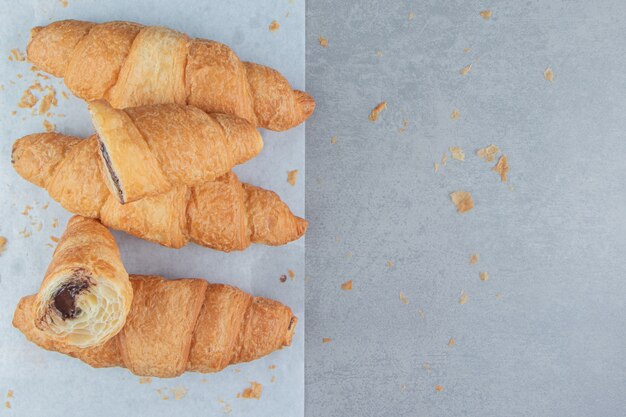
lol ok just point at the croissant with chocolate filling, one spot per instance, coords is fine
(150, 149)
(131, 65)
(180, 325)
(85, 295)
(224, 214)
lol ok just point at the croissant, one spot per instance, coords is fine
(85, 295)
(131, 65)
(147, 150)
(225, 214)
(180, 325)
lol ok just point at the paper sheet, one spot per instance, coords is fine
(51, 384)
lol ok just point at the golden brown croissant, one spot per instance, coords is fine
(85, 295)
(225, 214)
(148, 150)
(132, 65)
(180, 325)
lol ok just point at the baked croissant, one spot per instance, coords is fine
(85, 295)
(224, 214)
(147, 150)
(180, 325)
(132, 65)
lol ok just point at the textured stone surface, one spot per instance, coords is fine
(545, 334)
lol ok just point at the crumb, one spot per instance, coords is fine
(17, 55)
(55, 223)
(436, 166)
(457, 153)
(484, 276)
(39, 226)
(347, 286)
(145, 380)
(333, 140)
(323, 41)
(254, 392)
(438, 388)
(421, 313)
(389, 264)
(48, 126)
(337, 239)
(64, 3)
(236, 370)
(19, 76)
(466, 50)
(226, 407)
(273, 379)
(462, 200)
(376, 111)
(28, 100)
(463, 298)
(502, 167)
(405, 125)
(291, 274)
(10, 393)
(403, 298)
(3, 246)
(486, 14)
(274, 26)
(465, 70)
(42, 76)
(64, 95)
(548, 74)
(379, 53)
(54, 239)
(27, 209)
(47, 101)
(402, 387)
(203, 380)
(473, 259)
(498, 296)
(13, 113)
(427, 367)
(45, 206)
(489, 153)
(292, 177)
(451, 342)
(50, 245)
(326, 340)
(272, 367)
(161, 392)
(411, 16)
(25, 232)
(7, 404)
(178, 392)
(283, 278)
(455, 114)
(444, 159)
(349, 254)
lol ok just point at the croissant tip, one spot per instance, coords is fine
(307, 103)
(301, 226)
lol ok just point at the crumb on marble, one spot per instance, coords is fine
(438, 388)
(451, 342)
(274, 26)
(326, 340)
(465, 70)
(548, 74)
(292, 274)
(502, 168)
(484, 276)
(292, 177)
(462, 200)
(457, 153)
(488, 153)
(486, 14)
(455, 114)
(347, 286)
(17, 55)
(323, 41)
(377, 110)
(403, 298)
(3, 246)
(463, 298)
(474, 257)
(253, 392)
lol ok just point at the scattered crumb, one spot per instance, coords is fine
(39, 226)
(473, 259)
(548, 74)
(462, 200)
(498, 296)
(27, 209)
(162, 393)
(457, 153)
(451, 342)
(237, 370)
(326, 340)
(292, 177)
(502, 167)
(292, 274)
(466, 50)
(273, 379)
(379, 53)
(13, 113)
(455, 114)
(45, 206)
(347, 286)
(25, 232)
(463, 298)
(204, 380)
(333, 140)
(488, 153)
(465, 70)
(323, 41)
(64, 95)
(28, 100)
(421, 313)
(349, 254)
(55, 223)
(283, 278)
(42, 76)
(272, 367)
(3, 246)
(486, 14)
(7, 404)
(438, 388)
(47, 101)
(178, 392)
(274, 26)
(389, 264)
(402, 387)
(50, 245)
(436, 166)
(411, 16)
(427, 367)
(376, 111)
(48, 126)
(19, 76)
(254, 392)
(54, 239)
(405, 125)
(484, 276)
(64, 3)
(444, 159)
(403, 298)
(17, 55)
(145, 380)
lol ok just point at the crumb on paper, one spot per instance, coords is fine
(178, 392)
(379, 53)
(292, 177)
(283, 278)
(438, 388)
(253, 392)
(55, 223)
(27, 209)
(389, 264)
(444, 159)
(48, 126)
(465, 70)
(436, 166)
(462, 200)
(457, 153)
(272, 367)
(376, 111)
(405, 125)
(486, 14)
(10, 393)
(54, 239)
(42, 76)
(455, 114)
(64, 3)
(39, 226)
(502, 167)
(25, 232)
(204, 380)
(466, 50)
(292, 274)
(402, 387)
(548, 74)
(427, 367)
(17, 55)
(451, 342)
(3, 246)
(488, 153)
(145, 380)
(326, 340)
(226, 407)
(347, 286)
(274, 26)
(411, 16)
(273, 379)
(47, 101)
(403, 298)
(421, 313)
(484, 276)
(162, 393)
(27, 101)
(45, 206)
(7, 404)
(473, 260)
(323, 41)
(333, 140)
(64, 95)
(463, 298)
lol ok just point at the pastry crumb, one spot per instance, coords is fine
(473, 260)
(64, 95)
(457, 153)
(436, 166)
(226, 407)
(548, 74)
(323, 41)
(463, 298)
(444, 159)
(465, 70)
(455, 114)
(47, 101)
(451, 342)
(10, 393)
(498, 296)
(389, 264)
(7, 404)
(178, 392)
(27, 209)
(411, 16)
(466, 50)
(283, 278)
(438, 388)
(273, 379)
(272, 367)
(3, 246)
(27, 101)
(145, 380)
(54, 239)
(420, 312)
(377, 110)
(253, 392)
(462, 200)
(291, 274)
(162, 393)
(403, 298)
(326, 340)
(379, 53)
(333, 140)
(55, 223)
(25, 232)
(486, 14)
(292, 177)
(274, 26)
(426, 366)
(48, 126)
(347, 286)
(17, 55)
(484, 276)
(64, 3)
(502, 167)
(488, 153)
(405, 125)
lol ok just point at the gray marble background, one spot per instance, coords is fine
(544, 336)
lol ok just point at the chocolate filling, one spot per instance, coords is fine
(65, 298)
(112, 174)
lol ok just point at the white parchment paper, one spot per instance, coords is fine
(51, 384)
